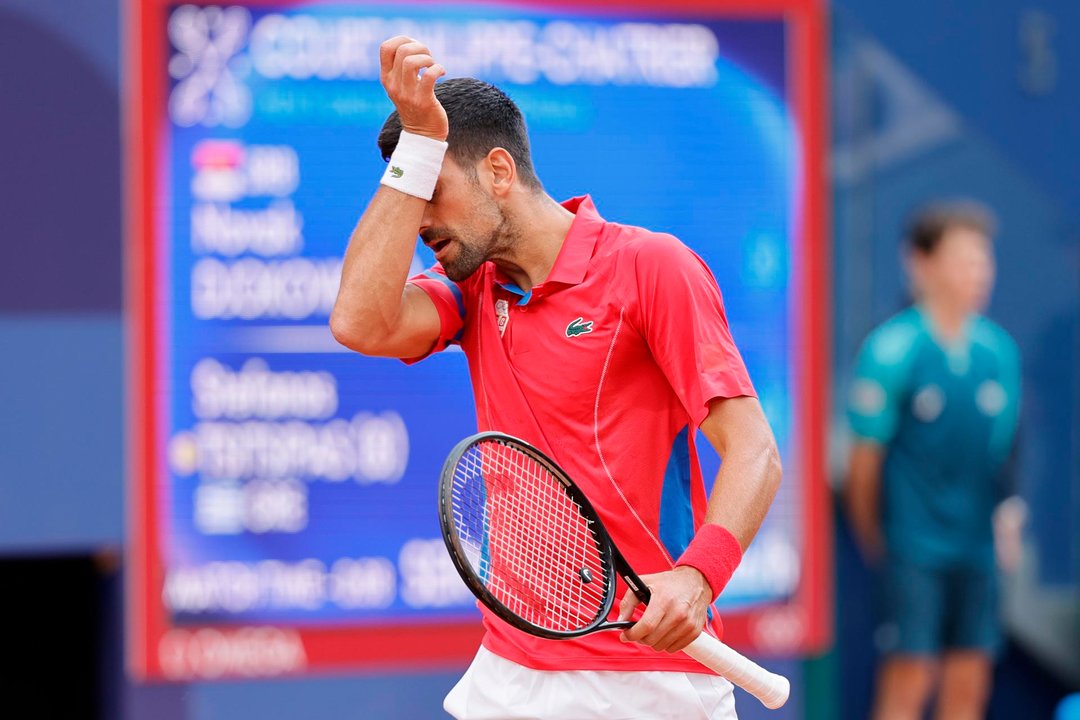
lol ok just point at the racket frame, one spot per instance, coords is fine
(609, 554)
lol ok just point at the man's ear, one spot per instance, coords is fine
(916, 264)
(500, 164)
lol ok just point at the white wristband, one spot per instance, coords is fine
(415, 164)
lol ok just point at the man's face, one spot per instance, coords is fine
(961, 269)
(462, 223)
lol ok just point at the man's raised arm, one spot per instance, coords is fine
(376, 312)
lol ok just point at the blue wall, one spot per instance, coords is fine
(929, 99)
(60, 291)
(932, 100)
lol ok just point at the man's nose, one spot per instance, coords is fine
(426, 221)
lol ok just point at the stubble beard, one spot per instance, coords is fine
(468, 260)
(471, 255)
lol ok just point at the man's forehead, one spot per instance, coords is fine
(451, 166)
(966, 235)
(455, 171)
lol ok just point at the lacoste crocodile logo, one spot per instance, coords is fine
(396, 171)
(580, 326)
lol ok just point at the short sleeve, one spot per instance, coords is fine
(881, 370)
(449, 300)
(681, 314)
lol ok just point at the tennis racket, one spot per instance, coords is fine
(526, 541)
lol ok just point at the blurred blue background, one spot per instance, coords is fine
(927, 99)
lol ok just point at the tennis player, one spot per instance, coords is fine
(604, 345)
(934, 410)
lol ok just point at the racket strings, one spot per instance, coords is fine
(514, 559)
(526, 539)
(568, 553)
(555, 560)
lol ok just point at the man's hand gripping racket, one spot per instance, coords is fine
(533, 550)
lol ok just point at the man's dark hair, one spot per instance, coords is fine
(481, 118)
(929, 225)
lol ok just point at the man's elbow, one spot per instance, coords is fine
(354, 335)
(774, 469)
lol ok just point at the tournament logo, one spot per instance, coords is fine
(208, 66)
(928, 403)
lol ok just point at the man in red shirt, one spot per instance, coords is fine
(604, 345)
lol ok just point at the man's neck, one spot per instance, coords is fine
(543, 225)
(948, 319)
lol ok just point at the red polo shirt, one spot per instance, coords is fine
(608, 366)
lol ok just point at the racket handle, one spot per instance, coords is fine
(771, 689)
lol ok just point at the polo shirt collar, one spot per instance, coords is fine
(577, 248)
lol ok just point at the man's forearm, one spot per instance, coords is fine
(865, 524)
(744, 489)
(862, 496)
(750, 471)
(375, 268)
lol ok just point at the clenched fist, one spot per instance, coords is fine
(413, 92)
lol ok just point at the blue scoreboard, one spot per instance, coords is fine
(283, 488)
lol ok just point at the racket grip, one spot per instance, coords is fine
(771, 689)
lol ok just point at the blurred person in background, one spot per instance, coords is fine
(933, 409)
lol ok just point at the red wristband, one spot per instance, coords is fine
(715, 553)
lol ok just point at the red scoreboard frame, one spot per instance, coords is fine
(159, 650)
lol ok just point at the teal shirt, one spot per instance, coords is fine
(946, 416)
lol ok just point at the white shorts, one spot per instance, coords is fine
(494, 688)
